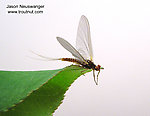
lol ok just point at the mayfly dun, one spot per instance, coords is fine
(83, 53)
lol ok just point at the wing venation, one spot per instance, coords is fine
(70, 48)
(83, 40)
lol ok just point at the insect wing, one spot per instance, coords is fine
(83, 40)
(71, 49)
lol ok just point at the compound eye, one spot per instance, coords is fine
(97, 67)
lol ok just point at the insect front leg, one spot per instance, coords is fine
(94, 77)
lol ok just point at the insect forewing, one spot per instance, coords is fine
(70, 48)
(83, 40)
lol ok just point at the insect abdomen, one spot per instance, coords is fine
(71, 60)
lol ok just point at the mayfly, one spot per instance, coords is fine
(83, 53)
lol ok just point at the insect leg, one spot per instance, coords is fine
(94, 77)
(97, 76)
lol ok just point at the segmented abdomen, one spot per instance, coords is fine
(89, 65)
(71, 60)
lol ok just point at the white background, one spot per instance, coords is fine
(120, 31)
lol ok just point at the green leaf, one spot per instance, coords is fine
(16, 85)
